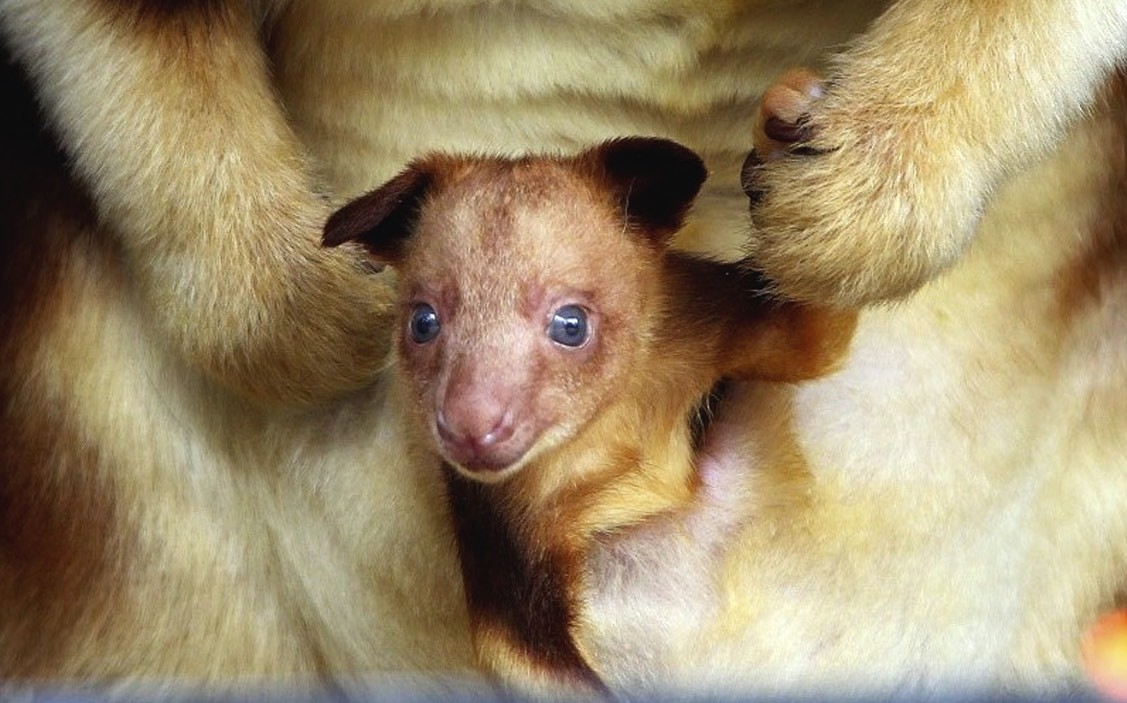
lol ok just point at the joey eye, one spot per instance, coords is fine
(423, 324)
(569, 326)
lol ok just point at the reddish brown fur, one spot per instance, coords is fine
(221, 276)
(57, 533)
(666, 327)
(518, 595)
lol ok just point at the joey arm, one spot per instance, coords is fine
(169, 119)
(723, 311)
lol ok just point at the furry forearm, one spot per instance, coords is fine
(924, 117)
(1002, 89)
(206, 187)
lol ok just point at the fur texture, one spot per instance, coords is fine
(556, 445)
(204, 476)
(897, 530)
(918, 131)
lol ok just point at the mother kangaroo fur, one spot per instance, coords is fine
(204, 475)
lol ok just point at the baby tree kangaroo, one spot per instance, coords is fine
(555, 351)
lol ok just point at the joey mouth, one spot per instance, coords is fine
(485, 469)
(483, 475)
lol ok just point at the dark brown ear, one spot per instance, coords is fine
(654, 179)
(382, 219)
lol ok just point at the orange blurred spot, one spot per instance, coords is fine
(1105, 654)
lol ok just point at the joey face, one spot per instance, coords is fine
(528, 287)
(522, 310)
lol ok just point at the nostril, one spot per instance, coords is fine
(500, 432)
(444, 430)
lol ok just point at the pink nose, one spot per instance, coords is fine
(473, 433)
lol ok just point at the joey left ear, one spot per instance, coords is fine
(656, 181)
(382, 219)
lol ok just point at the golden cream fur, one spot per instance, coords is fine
(556, 352)
(204, 474)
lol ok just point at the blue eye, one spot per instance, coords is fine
(569, 326)
(423, 325)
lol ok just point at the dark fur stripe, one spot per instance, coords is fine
(520, 591)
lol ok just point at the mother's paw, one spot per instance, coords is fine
(855, 199)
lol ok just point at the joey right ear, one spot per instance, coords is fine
(381, 219)
(655, 180)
